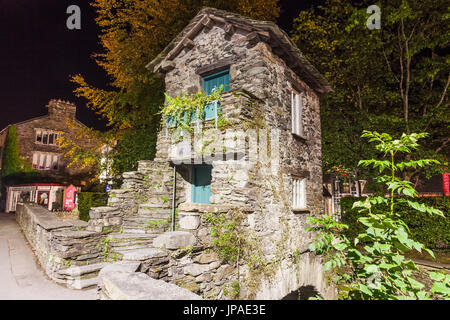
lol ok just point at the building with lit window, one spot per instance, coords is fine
(38, 146)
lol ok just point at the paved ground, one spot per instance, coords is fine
(20, 275)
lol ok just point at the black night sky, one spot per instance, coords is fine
(38, 54)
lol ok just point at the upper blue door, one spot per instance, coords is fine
(201, 183)
(216, 80)
(209, 83)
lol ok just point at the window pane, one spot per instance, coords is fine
(210, 110)
(39, 136)
(48, 162)
(51, 137)
(299, 113)
(35, 160)
(41, 161)
(55, 162)
(45, 138)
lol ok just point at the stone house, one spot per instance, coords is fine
(250, 171)
(37, 141)
(271, 88)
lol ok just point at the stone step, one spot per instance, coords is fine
(128, 236)
(154, 209)
(80, 284)
(78, 271)
(125, 250)
(143, 230)
(143, 220)
(143, 254)
(132, 242)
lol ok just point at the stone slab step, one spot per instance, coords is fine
(78, 271)
(125, 250)
(82, 283)
(143, 254)
(126, 235)
(127, 243)
(143, 220)
(142, 231)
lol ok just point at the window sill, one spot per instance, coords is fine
(300, 210)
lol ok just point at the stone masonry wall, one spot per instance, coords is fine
(58, 243)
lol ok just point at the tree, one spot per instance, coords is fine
(375, 264)
(393, 79)
(133, 32)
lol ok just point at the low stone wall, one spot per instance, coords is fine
(58, 243)
(121, 282)
(190, 261)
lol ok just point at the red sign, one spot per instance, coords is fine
(69, 198)
(445, 184)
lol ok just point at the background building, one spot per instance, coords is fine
(38, 147)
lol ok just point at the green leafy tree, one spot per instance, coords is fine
(394, 79)
(374, 265)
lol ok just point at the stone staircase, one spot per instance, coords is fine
(136, 214)
(139, 230)
(145, 200)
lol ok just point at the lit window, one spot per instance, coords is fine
(35, 160)
(45, 161)
(55, 162)
(39, 136)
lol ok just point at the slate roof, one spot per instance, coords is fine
(265, 31)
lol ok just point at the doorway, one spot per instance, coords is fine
(201, 183)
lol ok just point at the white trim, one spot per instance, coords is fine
(297, 113)
(299, 194)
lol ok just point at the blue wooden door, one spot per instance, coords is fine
(201, 183)
(216, 80)
(209, 83)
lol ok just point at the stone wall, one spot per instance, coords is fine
(58, 243)
(189, 259)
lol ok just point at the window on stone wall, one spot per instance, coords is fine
(47, 137)
(298, 193)
(297, 113)
(45, 161)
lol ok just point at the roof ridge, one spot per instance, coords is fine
(304, 70)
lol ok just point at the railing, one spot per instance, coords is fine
(198, 120)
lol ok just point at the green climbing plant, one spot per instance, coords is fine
(373, 266)
(181, 110)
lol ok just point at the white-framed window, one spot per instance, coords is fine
(45, 161)
(47, 137)
(297, 113)
(299, 193)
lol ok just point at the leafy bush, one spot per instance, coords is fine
(88, 200)
(432, 231)
(378, 270)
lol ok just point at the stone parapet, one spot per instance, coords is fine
(120, 282)
(57, 243)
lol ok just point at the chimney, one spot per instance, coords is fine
(59, 109)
